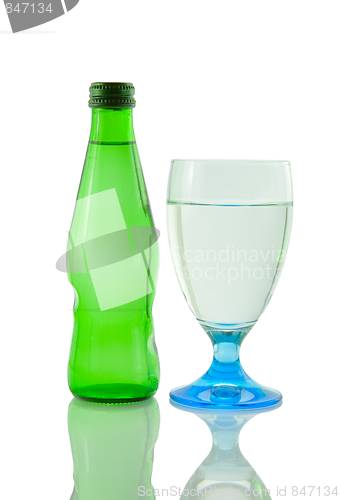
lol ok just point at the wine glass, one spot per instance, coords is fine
(229, 223)
(225, 472)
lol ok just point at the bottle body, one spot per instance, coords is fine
(112, 262)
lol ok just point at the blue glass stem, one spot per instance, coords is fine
(226, 364)
(226, 385)
(226, 369)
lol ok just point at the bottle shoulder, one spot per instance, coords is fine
(116, 169)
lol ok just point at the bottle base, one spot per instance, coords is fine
(113, 393)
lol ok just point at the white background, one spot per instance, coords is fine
(219, 79)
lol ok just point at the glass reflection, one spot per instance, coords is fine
(225, 473)
(112, 448)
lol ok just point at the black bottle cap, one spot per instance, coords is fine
(112, 95)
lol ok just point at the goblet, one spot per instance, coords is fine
(225, 473)
(229, 223)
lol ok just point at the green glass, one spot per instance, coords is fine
(112, 263)
(112, 449)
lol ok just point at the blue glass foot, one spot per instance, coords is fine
(226, 385)
(246, 395)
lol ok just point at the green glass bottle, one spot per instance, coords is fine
(112, 449)
(112, 261)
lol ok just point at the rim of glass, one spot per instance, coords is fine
(248, 162)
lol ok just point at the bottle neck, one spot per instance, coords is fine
(112, 126)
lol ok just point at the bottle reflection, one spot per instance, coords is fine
(225, 473)
(112, 448)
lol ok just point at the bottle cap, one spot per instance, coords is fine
(112, 95)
